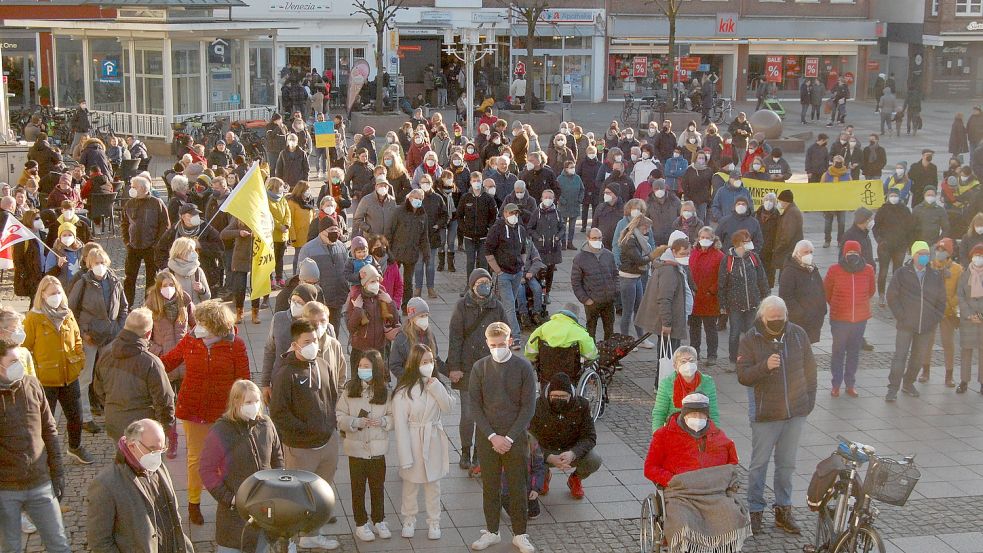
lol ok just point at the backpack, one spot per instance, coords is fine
(730, 262)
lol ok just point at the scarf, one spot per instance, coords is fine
(186, 232)
(681, 388)
(808, 268)
(129, 457)
(182, 267)
(171, 309)
(643, 242)
(837, 172)
(975, 281)
(57, 315)
(470, 157)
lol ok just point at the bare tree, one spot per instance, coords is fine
(670, 8)
(380, 17)
(529, 12)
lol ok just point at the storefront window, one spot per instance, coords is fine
(646, 74)
(186, 76)
(109, 69)
(261, 74)
(150, 78)
(956, 68)
(557, 60)
(224, 74)
(70, 78)
(21, 72)
(794, 68)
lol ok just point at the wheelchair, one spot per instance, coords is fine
(588, 382)
(652, 523)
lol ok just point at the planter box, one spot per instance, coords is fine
(382, 124)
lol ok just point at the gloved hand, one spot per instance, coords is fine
(58, 485)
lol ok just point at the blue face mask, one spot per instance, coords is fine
(416, 203)
(364, 374)
(923, 259)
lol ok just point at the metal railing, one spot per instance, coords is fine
(255, 112)
(157, 126)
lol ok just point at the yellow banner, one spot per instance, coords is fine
(823, 196)
(249, 203)
(324, 140)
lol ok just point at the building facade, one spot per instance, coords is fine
(952, 50)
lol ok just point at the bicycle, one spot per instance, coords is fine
(848, 527)
(722, 110)
(630, 110)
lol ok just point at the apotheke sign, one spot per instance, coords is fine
(975, 26)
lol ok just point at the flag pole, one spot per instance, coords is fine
(255, 167)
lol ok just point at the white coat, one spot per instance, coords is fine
(369, 441)
(421, 443)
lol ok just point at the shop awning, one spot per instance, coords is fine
(520, 30)
(752, 29)
(132, 28)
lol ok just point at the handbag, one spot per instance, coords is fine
(665, 358)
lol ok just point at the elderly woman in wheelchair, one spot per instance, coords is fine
(694, 465)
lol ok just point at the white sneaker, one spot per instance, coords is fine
(292, 548)
(364, 533)
(486, 540)
(26, 526)
(318, 542)
(522, 543)
(647, 344)
(382, 529)
(434, 531)
(409, 528)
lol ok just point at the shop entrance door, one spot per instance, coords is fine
(546, 77)
(299, 57)
(21, 80)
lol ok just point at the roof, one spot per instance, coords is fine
(132, 3)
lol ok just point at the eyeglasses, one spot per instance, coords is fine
(153, 451)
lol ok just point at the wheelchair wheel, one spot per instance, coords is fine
(650, 540)
(591, 388)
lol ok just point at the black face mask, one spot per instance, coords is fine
(776, 327)
(558, 405)
(379, 251)
(483, 290)
(333, 237)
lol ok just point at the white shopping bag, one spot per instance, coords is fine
(665, 358)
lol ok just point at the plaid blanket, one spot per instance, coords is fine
(703, 514)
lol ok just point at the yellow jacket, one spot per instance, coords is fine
(58, 353)
(951, 271)
(300, 218)
(281, 218)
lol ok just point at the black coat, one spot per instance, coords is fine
(409, 237)
(874, 160)
(817, 159)
(538, 180)
(436, 209)
(958, 139)
(234, 451)
(594, 276)
(696, 185)
(546, 231)
(571, 429)
(359, 179)
(664, 144)
(466, 335)
(606, 218)
(476, 214)
(804, 296)
(894, 228)
(788, 391)
(292, 166)
(917, 305)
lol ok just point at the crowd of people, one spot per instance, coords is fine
(674, 247)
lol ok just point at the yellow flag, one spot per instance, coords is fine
(823, 196)
(248, 202)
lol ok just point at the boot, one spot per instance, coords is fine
(465, 462)
(238, 315)
(432, 293)
(450, 262)
(440, 262)
(785, 520)
(255, 315)
(417, 292)
(757, 525)
(194, 514)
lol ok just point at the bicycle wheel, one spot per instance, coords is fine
(650, 537)
(627, 114)
(591, 388)
(824, 531)
(865, 540)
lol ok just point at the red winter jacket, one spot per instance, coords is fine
(704, 265)
(674, 451)
(209, 374)
(848, 294)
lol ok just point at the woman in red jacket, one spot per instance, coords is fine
(688, 441)
(704, 265)
(214, 358)
(849, 286)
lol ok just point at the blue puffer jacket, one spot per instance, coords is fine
(724, 200)
(734, 222)
(674, 169)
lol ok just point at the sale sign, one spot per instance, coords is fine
(690, 63)
(812, 68)
(639, 67)
(773, 69)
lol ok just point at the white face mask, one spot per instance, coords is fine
(979, 230)
(687, 215)
(618, 159)
(706, 242)
(18, 336)
(100, 270)
(596, 244)
(893, 200)
(458, 162)
(749, 246)
(200, 332)
(195, 221)
(322, 329)
(431, 163)
(512, 219)
(67, 240)
(490, 191)
(15, 372)
(570, 171)
(309, 351)
(330, 210)
(38, 224)
(500, 355)
(676, 154)
(737, 183)
(423, 323)
(168, 292)
(591, 156)
(547, 202)
(382, 191)
(476, 186)
(426, 371)
(133, 193)
(530, 166)
(741, 209)
(807, 259)
(660, 194)
(687, 370)
(769, 205)
(899, 172)
(296, 309)
(372, 288)
(696, 424)
(684, 261)
(54, 300)
(151, 461)
(930, 200)
(978, 260)
(249, 411)
(520, 195)
(610, 198)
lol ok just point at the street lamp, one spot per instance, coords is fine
(469, 51)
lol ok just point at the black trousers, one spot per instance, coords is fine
(408, 269)
(132, 270)
(603, 311)
(550, 270)
(70, 398)
(709, 326)
(515, 464)
(372, 471)
(278, 250)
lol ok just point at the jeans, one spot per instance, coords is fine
(603, 311)
(782, 438)
(321, 160)
(886, 118)
(85, 381)
(805, 110)
(68, 397)
(132, 270)
(474, 250)
(848, 338)
(739, 323)
(886, 258)
(709, 326)
(631, 299)
(508, 290)
(515, 464)
(920, 346)
(571, 223)
(701, 212)
(40, 504)
(373, 472)
(537, 297)
(408, 270)
(430, 267)
(828, 228)
(451, 238)
(262, 545)
(589, 205)
(816, 109)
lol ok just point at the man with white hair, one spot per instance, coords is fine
(775, 361)
(144, 222)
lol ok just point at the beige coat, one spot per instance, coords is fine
(421, 442)
(370, 441)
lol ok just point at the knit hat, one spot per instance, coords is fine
(560, 382)
(977, 250)
(571, 310)
(307, 269)
(204, 179)
(325, 223)
(67, 227)
(65, 178)
(918, 246)
(735, 174)
(457, 127)
(368, 273)
(359, 243)
(368, 131)
(862, 215)
(509, 208)
(851, 246)
(306, 292)
(786, 196)
(677, 235)
(417, 306)
(695, 403)
(946, 244)
(188, 208)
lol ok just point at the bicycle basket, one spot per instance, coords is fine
(890, 481)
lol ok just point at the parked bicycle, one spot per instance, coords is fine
(722, 110)
(844, 501)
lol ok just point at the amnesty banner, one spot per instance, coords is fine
(248, 202)
(823, 196)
